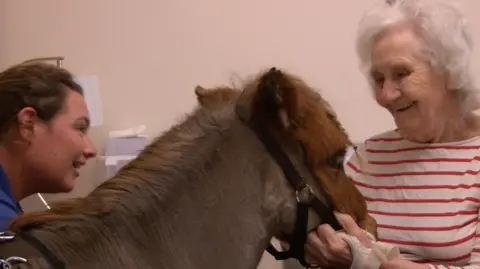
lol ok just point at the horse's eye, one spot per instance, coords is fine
(336, 162)
(339, 163)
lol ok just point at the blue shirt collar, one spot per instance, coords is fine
(5, 188)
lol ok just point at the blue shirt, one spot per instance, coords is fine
(9, 208)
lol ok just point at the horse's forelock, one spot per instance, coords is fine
(290, 106)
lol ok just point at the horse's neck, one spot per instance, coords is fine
(220, 220)
(218, 223)
(215, 218)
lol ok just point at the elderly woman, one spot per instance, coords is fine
(420, 180)
(43, 134)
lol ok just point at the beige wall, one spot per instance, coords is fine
(154, 53)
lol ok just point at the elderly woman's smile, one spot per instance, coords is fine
(404, 108)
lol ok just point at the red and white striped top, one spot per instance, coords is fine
(424, 197)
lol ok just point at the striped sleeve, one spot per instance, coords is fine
(425, 198)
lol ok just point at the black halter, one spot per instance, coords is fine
(305, 196)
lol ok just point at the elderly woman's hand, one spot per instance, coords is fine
(327, 249)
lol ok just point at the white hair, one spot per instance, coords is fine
(442, 29)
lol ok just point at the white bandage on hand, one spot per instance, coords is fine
(369, 258)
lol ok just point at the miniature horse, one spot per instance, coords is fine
(207, 193)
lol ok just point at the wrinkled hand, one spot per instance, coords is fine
(327, 249)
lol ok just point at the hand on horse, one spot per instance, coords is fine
(327, 249)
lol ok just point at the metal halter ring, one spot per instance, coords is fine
(305, 194)
(8, 263)
(5, 236)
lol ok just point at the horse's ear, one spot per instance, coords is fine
(204, 96)
(276, 98)
(200, 91)
(215, 97)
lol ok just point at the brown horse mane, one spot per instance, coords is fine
(299, 107)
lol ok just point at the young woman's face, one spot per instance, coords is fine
(59, 148)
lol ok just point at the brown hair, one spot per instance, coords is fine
(38, 85)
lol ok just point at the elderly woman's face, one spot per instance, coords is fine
(406, 85)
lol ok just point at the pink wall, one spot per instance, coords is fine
(155, 52)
